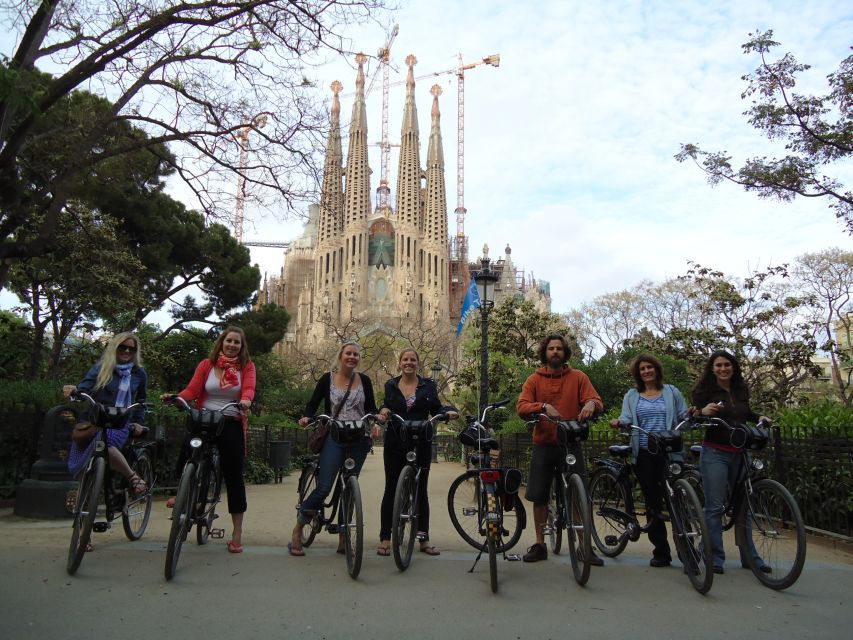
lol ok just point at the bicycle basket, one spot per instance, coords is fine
(347, 431)
(205, 421)
(662, 442)
(415, 431)
(569, 431)
(745, 436)
(475, 435)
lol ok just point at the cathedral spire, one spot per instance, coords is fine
(409, 169)
(331, 198)
(358, 170)
(435, 219)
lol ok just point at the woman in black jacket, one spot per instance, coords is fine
(412, 398)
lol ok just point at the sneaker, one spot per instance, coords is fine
(719, 569)
(659, 562)
(536, 553)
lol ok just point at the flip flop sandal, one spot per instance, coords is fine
(89, 547)
(137, 485)
(234, 547)
(430, 550)
(383, 551)
(71, 500)
(294, 550)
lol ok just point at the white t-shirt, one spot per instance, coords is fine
(217, 397)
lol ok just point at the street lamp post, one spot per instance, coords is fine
(485, 280)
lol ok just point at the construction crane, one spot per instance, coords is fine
(243, 140)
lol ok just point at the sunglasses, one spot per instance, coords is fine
(123, 348)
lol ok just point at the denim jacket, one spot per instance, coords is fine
(107, 395)
(676, 410)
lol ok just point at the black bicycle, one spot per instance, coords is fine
(200, 485)
(344, 508)
(404, 526)
(483, 503)
(568, 503)
(764, 512)
(98, 477)
(616, 522)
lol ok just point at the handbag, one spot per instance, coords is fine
(318, 437)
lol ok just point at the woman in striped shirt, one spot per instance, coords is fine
(653, 406)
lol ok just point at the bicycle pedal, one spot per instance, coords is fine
(333, 528)
(469, 511)
(217, 533)
(513, 557)
(610, 540)
(101, 527)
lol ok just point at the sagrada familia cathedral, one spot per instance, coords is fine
(383, 266)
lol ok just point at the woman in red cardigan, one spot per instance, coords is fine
(227, 375)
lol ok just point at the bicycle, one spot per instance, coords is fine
(346, 515)
(616, 520)
(406, 516)
(482, 501)
(568, 504)
(765, 513)
(200, 485)
(119, 496)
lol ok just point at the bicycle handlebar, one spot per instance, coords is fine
(76, 396)
(186, 405)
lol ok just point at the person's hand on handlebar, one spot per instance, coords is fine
(303, 421)
(245, 404)
(550, 411)
(383, 415)
(451, 415)
(615, 423)
(711, 409)
(67, 390)
(587, 411)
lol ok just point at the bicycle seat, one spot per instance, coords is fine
(619, 450)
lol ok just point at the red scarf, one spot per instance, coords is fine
(229, 367)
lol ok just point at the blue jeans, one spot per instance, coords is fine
(719, 470)
(331, 459)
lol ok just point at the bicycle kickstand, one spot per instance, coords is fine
(477, 559)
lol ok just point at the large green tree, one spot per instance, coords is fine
(196, 75)
(817, 131)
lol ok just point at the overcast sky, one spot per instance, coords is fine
(570, 142)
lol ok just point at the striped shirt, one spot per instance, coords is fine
(651, 415)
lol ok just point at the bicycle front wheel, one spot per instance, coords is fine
(609, 496)
(85, 511)
(209, 488)
(691, 536)
(578, 528)
(770, 520)
(554, 523)
(353, 525)
(181, 518)
(137, 509)
(404, 525)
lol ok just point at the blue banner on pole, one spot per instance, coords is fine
(472, 299)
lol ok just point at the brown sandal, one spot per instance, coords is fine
(137, 485)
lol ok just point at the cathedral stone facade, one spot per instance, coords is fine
(356, 269)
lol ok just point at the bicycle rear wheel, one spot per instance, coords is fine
(608, 496)
(691, 536)
(181, 518)
(353, 525)
(464, 506)
(209, 488)
(85, 511)
(554, 523)
(307, 484)
(404, 525)
(137, 509)
(579, 528)
(771, 520)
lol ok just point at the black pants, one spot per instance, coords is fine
(231, 454)
(649, 470)
(395, 459)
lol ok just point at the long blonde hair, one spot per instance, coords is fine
(108, 360)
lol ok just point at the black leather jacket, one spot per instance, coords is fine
(426, 404)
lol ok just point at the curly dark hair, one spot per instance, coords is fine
(543, 347)
(635, 370)
(708, 381)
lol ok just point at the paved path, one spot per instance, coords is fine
(265, 592)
